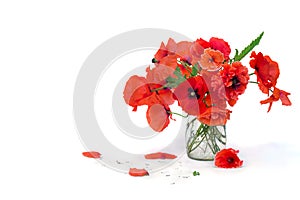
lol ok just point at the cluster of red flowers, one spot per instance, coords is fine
(202, 78)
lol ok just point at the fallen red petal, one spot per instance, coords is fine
(138, 172)
(160, 155)
(91, 154)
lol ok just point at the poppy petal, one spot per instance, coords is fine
(160, 155)
(138, 172)
(91, 154)
(157, 117)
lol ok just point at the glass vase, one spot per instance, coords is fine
(204, 141)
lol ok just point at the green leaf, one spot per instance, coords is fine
(195, 70)
(195, 173)
(249, 48)
(174, 82)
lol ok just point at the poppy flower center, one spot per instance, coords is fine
(193, 93)
(230, 160)
(235, 82)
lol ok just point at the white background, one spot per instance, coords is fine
(42, 47)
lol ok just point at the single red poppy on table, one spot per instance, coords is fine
(227, 158)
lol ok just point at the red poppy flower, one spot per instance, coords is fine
(211, 59)
(139, 92)
(135, 90)
(191, 95)
(172, 61)
(91, 154)
(214, 116)
(138, 172)
(266, 70)
(227, 158)
(160, 155)
(158, 117)
(216, 44)
(278, 94)
(162, 52)
(165, 50)
(235, 77)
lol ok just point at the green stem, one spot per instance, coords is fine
(251, 74)
(195, 138)
(258, 83)
(210, 134)
(174, 113)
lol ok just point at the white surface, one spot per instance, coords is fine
(42, 47)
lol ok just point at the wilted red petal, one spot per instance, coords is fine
(227, 158)
(138, 172)
(91, 154)
(157, 117)
(284, 98)
(277, 94)
(160, 155)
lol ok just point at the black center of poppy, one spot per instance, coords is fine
(193, 93)
(230, 160)
(235, 82)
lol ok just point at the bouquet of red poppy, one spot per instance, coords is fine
(204, 80)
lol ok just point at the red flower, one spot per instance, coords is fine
(211, 59)
(214, 116)
(139, 92)
(278, 94)
(216, 44)
(191, 95)
(180, 50)
(266, 70)
(227, 158)
(135, 90)
(138, 172)
(158, 117)
(235, 78)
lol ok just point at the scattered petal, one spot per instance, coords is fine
(160, 155)
(138, 172)
(91, 154)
